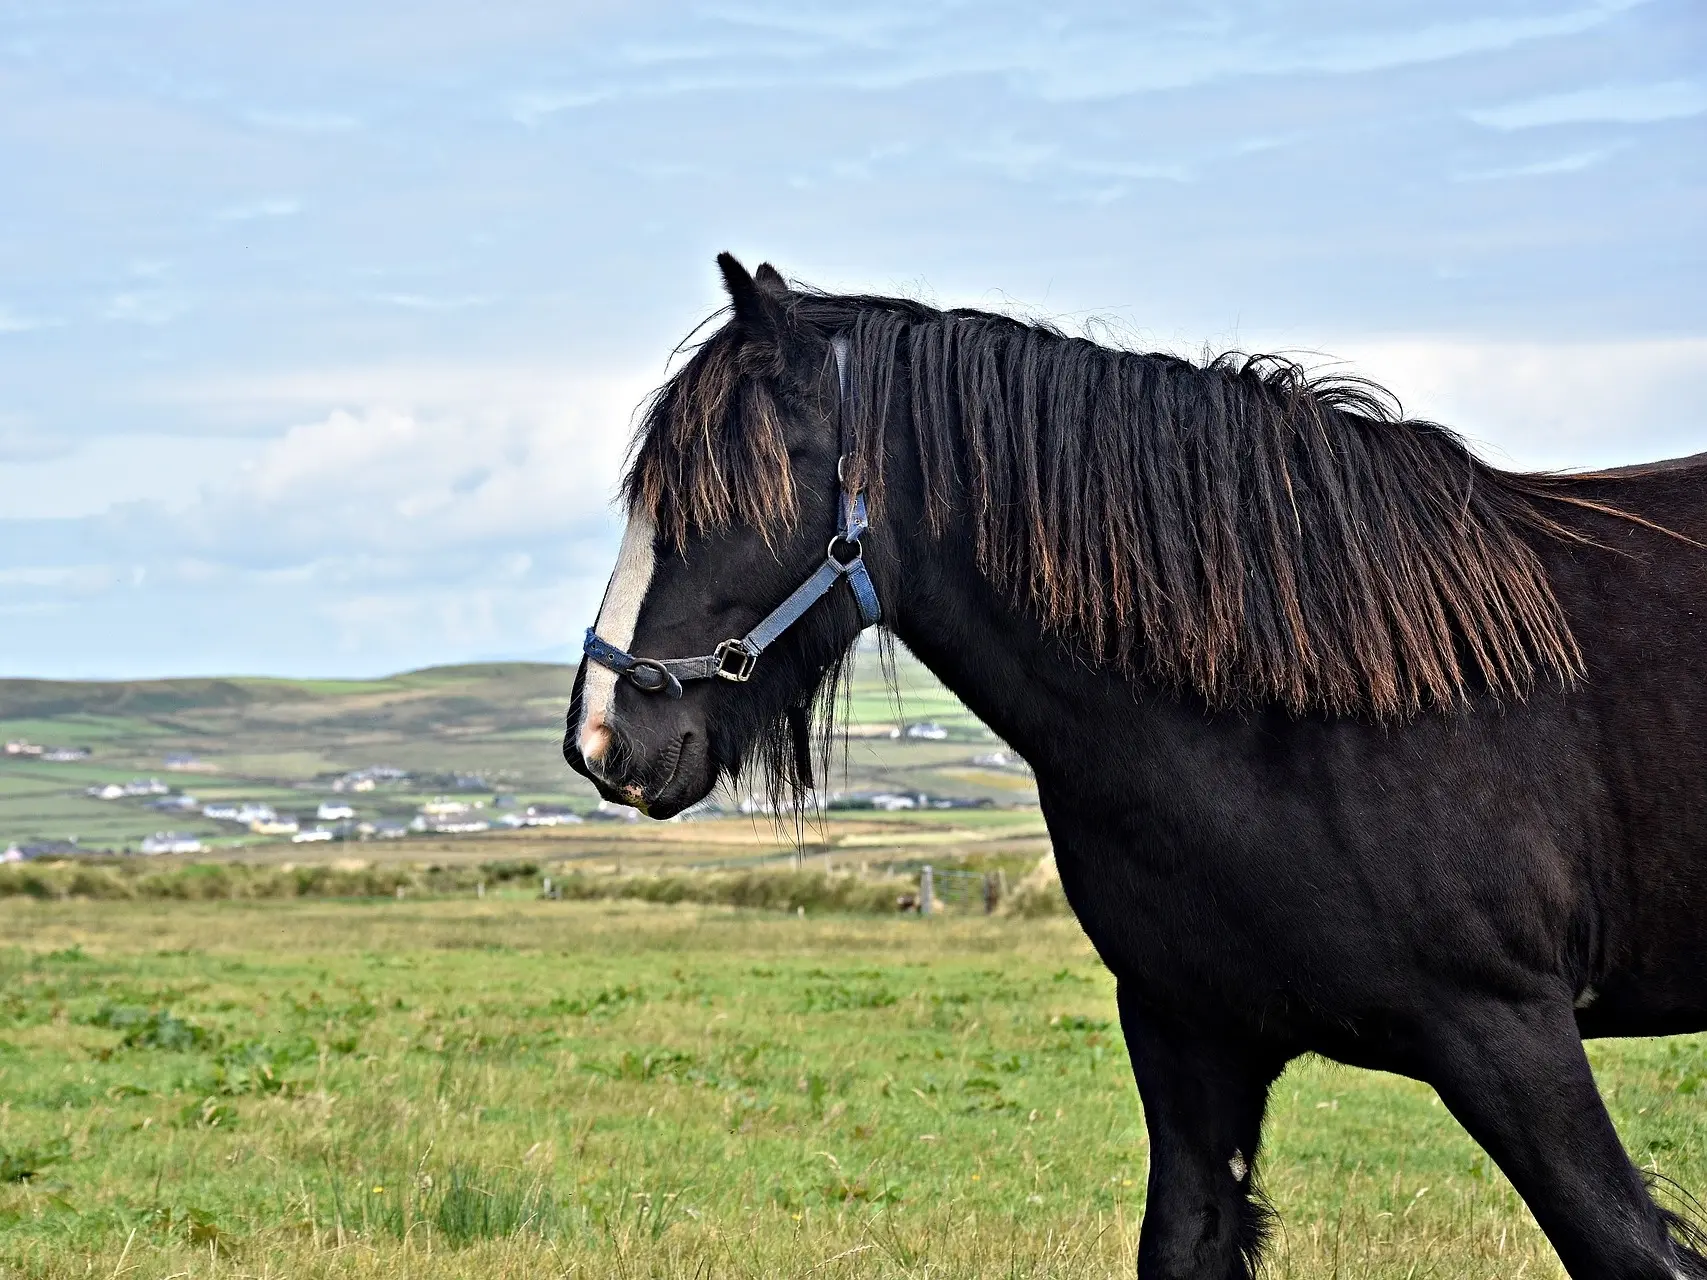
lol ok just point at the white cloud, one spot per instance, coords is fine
(472, 461)
(1607, 104)
(1551, 405)
(1055, 56)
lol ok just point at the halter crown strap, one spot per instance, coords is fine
(734, 659)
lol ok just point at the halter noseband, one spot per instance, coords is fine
(734, 659)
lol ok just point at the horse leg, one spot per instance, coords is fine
(1203, 1105)
(1516, 1077)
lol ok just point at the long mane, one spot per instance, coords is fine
(1235, 527)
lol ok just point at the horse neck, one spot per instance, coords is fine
(1033, 689)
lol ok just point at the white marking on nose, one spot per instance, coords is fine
(1588, 997)
(1238, 1167)
(629, 582)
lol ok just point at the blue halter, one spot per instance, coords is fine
(734, 659)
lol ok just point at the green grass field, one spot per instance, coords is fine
(513, 1088)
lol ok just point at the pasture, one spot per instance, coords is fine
(510, 1087)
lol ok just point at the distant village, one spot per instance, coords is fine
(54, 755)
(348, 813)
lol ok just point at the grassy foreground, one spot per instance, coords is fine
(514, 1088)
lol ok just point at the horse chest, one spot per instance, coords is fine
(1164, 921)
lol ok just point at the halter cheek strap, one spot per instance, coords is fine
(734, 659)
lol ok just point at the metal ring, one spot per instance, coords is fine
(844, 565)
(661, 680)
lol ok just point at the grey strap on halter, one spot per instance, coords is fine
(734, 659)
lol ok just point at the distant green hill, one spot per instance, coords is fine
(282, 741)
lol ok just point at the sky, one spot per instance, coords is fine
(322, 325)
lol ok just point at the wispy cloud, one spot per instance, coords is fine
(1576, 162)
(1607, 104)
(530, 107)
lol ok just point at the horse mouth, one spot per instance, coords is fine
(675, 792)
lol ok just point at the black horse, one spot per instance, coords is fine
(1348, 742)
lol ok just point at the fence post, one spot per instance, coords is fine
(546, 888)
(992, 893)
(927, 890)
(479, 888)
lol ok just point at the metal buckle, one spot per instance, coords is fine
(734, 662)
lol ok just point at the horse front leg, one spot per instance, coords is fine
(1516, 1077)
(1204, 1099)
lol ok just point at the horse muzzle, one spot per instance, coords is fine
(660, 780)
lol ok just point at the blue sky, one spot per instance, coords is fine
(321, 324)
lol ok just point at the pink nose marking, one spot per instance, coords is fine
(595, 737)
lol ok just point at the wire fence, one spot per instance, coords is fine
(960, 891)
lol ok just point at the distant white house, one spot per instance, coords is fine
(452, 824)
(275, 826)
(65, 755)
(146, 787)
(182, 760)
(890, 802)
(172, 842)
(312, 836)
(18, 747)
(106, 790)
(542, 815)
(334, 811)
(927, 730)
(366, 779)
(440, 807)
(169, 804)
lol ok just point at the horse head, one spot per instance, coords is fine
(741, 527)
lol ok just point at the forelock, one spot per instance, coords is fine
(711, 452)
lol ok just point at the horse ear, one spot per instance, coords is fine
(770, 280)
(753, 301)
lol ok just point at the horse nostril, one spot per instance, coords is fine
(595, 738)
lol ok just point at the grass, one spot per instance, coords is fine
(514, 1088)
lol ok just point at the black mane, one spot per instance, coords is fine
(1235, 527)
